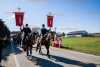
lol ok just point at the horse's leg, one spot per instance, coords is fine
(30, 51)
(47, 48)
(20, 42)
(23, 42)
(40, 51)
(37, 47)
(27, 51)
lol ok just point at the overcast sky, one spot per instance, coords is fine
(69, 15)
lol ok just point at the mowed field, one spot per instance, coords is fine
(89, 45)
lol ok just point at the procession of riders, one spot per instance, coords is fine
(26, 39)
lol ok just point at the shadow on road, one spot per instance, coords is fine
(48, 63)
(44, 63)
(73, 62)
(10, 49)
(16, 49)
(6, 52)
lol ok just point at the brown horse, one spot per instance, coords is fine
(44, 41)
(28, 42)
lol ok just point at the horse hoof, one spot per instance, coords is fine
(49, 56)
(40, 53)
(36, 50)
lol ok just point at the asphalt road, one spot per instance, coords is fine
(59, 58)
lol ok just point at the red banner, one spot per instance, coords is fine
(50, 21)
(19, 16)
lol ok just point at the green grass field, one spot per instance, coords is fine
(83, 44)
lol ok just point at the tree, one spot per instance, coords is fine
(63, 34)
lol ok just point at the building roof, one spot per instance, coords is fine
(78, 33)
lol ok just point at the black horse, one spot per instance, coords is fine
(44, 41)
(19, 39)
(29, 41)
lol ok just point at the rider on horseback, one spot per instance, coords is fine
(26, 31)
(44, 31)
(44, 40)
(26, 40)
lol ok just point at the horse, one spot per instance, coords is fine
(19, 39)
(44, 41)
(28, 43)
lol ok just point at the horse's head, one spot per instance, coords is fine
(33, 37)
(48, 36)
